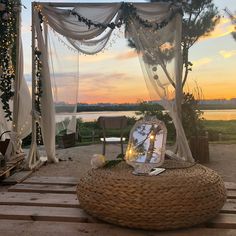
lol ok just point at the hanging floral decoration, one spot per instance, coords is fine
(8, 36)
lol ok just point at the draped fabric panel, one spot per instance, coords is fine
(159, 49)
(67, 25)
(47, 106)
(154, 12)
(24, 105)
(160, 58)
(91, 47)
(88, 41)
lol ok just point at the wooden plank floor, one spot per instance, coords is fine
(39, 205)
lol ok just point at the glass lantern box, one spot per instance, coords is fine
(146, 147)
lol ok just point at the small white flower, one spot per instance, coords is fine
(98, 161)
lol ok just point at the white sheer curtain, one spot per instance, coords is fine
(23, 107)
(67, 25)
(160, 58)
(159, 50)
(86, 40)
(47, 106)
(64, 81)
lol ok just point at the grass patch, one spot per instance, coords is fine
(215, 128)
(224, 126)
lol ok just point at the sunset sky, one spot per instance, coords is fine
(115, 75)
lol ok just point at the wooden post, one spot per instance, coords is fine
(178, 70)
(17, 72)
(220, 137)
(200, 149)
(33, 156)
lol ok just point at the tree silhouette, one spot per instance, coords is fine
(200, 18)
(233, 20)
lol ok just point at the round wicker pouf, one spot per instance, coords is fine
(177, 198)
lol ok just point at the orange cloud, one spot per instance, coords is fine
(202, 61)
(224, 27)
(101, 87)
(126, 55)
(227, 54)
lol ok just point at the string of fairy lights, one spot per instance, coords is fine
(8, 36)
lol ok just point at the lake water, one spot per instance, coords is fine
(91, 116)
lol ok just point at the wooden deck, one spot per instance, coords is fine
(48, 206)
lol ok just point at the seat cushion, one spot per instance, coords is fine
(177, 198)
(113, 139)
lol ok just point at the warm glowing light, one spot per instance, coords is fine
(152, 137)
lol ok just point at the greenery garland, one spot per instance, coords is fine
(8, 37)
(38, 81)
(128, 11)
(38, 91)
(90, 23)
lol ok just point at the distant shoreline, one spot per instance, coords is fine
(218, 107)
(87, 116)
(133, 107)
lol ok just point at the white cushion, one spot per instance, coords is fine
(112, 139)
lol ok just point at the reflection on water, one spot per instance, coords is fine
(220, 114)
(92, 116)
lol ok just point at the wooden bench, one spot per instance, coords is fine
(49, 206)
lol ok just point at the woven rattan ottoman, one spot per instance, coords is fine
(182, 196)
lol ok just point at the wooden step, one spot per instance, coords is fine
(39, 199)
(231, 194)
(46, 228)
(230, 185)
(223, 220)
(43, 188)
(52, 180)
(229, 207)
(42, 213)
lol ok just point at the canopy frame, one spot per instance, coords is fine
(33, 157)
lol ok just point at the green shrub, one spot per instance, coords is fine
(191, 116)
